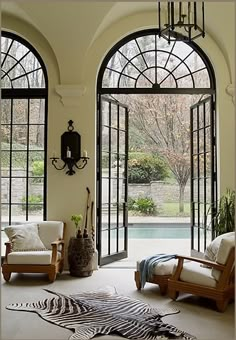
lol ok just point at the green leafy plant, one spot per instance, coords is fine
(34, 202)
(225, 217)
(144, 205)
(37, 171)
(143, 168)
(77, 218)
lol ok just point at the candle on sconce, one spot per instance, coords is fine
(85, 153)
(68, 152)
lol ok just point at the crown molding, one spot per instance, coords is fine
(70, 95)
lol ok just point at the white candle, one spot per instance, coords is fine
(85, 154)
(68, 153)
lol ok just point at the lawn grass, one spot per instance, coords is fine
(171, 209)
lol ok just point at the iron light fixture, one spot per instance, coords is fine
(185, 21)
(71, 151)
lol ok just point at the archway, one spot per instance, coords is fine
(143, 63)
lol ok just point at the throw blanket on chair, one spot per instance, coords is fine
(147, 266)
(93, 313)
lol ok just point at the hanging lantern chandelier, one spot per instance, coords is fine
(183, 20)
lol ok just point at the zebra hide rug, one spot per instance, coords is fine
(99, 313)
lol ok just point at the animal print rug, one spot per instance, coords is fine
(89, 314)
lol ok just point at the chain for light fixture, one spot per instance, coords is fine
(184, 20)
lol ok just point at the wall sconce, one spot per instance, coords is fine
(71, 151)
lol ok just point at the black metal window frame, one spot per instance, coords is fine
(27, 93)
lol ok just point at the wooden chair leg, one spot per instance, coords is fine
(7, 276)
(163, 288)
(221, 305)
(137, 279)
(52, 276)
(173, 294)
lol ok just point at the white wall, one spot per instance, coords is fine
(67, 194)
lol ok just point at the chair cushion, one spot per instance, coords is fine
(194, 273)
(162, 268)
(31, 257)
(226, 245)
(212, 248)
(24, 237)
(50, 231)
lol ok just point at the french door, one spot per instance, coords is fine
(203, 173)
(112, 182)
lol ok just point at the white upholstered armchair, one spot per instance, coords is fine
(212, 277)
(34, 248)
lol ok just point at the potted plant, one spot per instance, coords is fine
(224, 221)
(80, 250)
(77, 218)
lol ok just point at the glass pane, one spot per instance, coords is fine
(35, 156)
(5, 137)
(4, 215)
(110, 79)
(180, 71)
(19, 163)
(114, 140)
(140, 64)
(122, 142)
(201, 79)
(113, 241)
(105, 139)
(20, 82)
(130, 49)
(20, 111)
(117, 62)
(5, 183)
(104, 219)
(114, 185)
(19, 136)
(185, 82)
(5, 111)
(122, 118)
(126, 82)
(18, 190)
(104, 242)
(114, 115)
(36, 137)
(105, 190)
(146, 43)
(36, 189)
(18, 213)
(5, 162)
(105, 113)
(121, 239)
(35, 213)
(105, 164)
(36, 79)
(37, 111)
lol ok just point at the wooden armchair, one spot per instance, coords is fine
(49, 260)
(214, 280)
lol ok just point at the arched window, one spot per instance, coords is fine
(23, 131)
(144, 61)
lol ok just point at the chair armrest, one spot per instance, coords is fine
(57, 242)
(8, 248)
(203, 261)
(55, 245)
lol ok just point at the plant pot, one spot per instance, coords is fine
(80, 256)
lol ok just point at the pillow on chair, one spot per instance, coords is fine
(226, 245)
(24, 237)
(212, 249)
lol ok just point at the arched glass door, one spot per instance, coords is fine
(143, 63)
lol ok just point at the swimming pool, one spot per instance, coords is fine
(160, 231)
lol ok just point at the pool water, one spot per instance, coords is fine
(168, 231)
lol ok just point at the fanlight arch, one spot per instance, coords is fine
(21, 65)
(143, 60)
